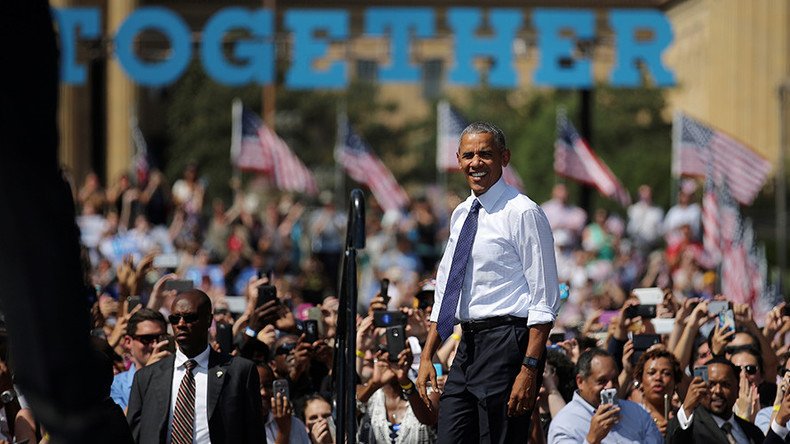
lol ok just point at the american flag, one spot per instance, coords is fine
(574, 159)
(736, 280)
(362, 164)
(262, 150)
(698, 144)
(141, 163)
(451, 125)
(248, 152)
(711, 235)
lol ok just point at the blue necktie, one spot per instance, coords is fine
(455, 280)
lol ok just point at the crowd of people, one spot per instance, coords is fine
(225, 317)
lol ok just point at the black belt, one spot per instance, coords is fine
(479, 325)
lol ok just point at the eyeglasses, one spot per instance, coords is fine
(146, 339)
(750, 369)
(187, 317)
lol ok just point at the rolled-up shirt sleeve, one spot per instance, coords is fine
(536, 249)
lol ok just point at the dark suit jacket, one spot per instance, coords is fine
(773, 438)
(703, 429)
(234, 401)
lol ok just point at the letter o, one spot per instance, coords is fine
(177, 33)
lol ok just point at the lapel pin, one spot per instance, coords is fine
(219, 373)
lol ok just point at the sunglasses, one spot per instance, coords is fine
(750, 369)
(146, 339)
(188, 318)
(285, 349)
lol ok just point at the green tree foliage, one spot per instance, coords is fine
(629, 132)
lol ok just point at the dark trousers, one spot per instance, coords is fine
(473, 407)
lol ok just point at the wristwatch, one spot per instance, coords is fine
(530, 362)
(7, 396)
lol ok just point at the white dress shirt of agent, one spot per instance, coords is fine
(586, 419)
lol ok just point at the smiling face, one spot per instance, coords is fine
(481, 161)
(723, 384)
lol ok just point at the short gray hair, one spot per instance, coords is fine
(486, 127)
(584, 364)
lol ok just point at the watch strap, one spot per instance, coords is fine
(530, 362)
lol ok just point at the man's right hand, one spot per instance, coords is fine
(606, 416)
(426, 373)
(158, 352)
(697, 392)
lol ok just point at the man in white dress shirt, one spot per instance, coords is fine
(498, 278)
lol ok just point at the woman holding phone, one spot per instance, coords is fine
(394, 411)
(656, 375)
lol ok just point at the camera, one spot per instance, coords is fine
(389, 319)
(609, 396)
(645, 311)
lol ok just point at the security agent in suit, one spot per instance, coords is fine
(227, 390)
(709, 406)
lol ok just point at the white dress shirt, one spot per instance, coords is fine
(737, 431)
(200, 431)
(511, 269)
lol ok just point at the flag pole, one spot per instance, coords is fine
(235, 137)
(441, 173)
(677, 128)
(342, 124)
(781, 188)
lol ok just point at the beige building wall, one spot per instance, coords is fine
(729, 58)
(121, 99)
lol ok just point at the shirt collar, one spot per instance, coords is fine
(492, 195)
(583, 403)
(720, 421)
(201, 359)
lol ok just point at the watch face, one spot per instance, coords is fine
(531, 362)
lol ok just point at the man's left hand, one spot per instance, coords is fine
(522, 396)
